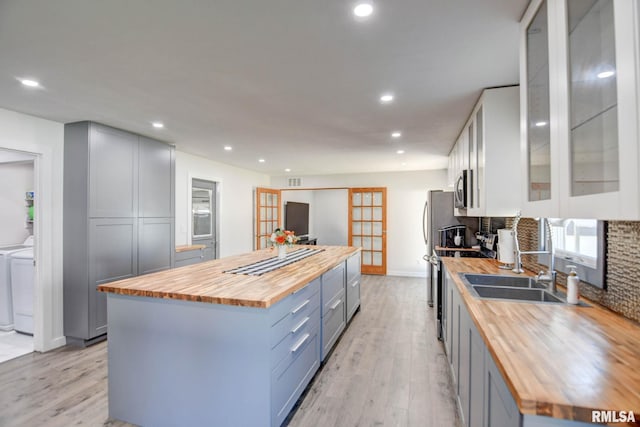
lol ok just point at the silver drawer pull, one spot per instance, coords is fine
(300, 325)
(354, 284)
(299, 343)
(335, 304)
(300, 307)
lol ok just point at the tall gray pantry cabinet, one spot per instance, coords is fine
(118, 218)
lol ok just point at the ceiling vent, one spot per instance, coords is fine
(295, 182)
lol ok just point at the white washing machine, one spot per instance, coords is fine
(6, 304)
(23, 275)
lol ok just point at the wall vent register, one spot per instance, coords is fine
(295, 182)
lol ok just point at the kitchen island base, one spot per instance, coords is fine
(199, 345)
(175, 362)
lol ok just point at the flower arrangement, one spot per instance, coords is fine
(283, 237)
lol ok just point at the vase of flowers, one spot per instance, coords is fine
(281, 239)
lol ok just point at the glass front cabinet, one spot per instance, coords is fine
(580, 119)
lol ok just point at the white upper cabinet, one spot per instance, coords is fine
(579, 69)
(489, 148)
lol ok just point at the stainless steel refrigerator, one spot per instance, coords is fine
(437, 214)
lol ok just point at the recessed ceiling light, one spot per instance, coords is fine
(29, 82)
(400, 151)
(396, 134)
(386, 98)
(287, 170)
(363, 9)
(605, 74)
(540, 124)
(158, 125)
(403, 164)
(228, 148)
(261, 160)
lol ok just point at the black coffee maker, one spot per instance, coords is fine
(452, 236)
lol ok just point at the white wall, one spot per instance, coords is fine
(236, 201)
(15, 180)
(406, 194)
(332, 217)
(46, 139)
(328, 213)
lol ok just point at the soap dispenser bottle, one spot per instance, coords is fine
(572, 285)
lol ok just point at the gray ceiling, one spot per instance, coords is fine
(295, 82)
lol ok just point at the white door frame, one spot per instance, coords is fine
(47, 304)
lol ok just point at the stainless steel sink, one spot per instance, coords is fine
(500, 280)
(518, 294)
(511, 288)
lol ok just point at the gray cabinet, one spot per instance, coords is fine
(454, 325)
(501, 409)
(333, 307)
(118, 218)
(156, 173)
(470, 371)
(447, 315)
(483, 397)
(155, 244)
(209, 252)
(112, 256)
(353, 285)
(113, 159)
(188, 257)
(476, 377)
(295, 353)
(464, 364)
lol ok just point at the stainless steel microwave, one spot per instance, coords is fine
(460, 191)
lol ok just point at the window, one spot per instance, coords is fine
(579, 242)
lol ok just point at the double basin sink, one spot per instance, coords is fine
(511, 288)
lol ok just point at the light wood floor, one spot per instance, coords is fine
(388, 369)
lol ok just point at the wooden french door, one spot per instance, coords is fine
(368, 227)
(268, 215)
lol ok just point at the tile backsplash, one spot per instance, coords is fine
(622, 265)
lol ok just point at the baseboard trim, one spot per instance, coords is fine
(402, 273)
(55, 343)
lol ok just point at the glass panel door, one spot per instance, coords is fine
(538, 134)
(593, 97)
(479, 155)
(368, 228)
(201, 199)
(268, 216)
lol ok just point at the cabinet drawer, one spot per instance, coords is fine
(333, 323)
(305, 324)
(188, 261)
(291, 376)
(353, 298)
(353, 268)
(192, 256)
(292, 320)
(294, 302)
(332, 284)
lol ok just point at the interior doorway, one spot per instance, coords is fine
(18, 219)
(268, 216)
(368, 227)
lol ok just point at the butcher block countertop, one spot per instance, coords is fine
(208, 282)
(185, 248)
(558, 360)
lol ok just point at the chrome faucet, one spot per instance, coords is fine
(550, 276)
